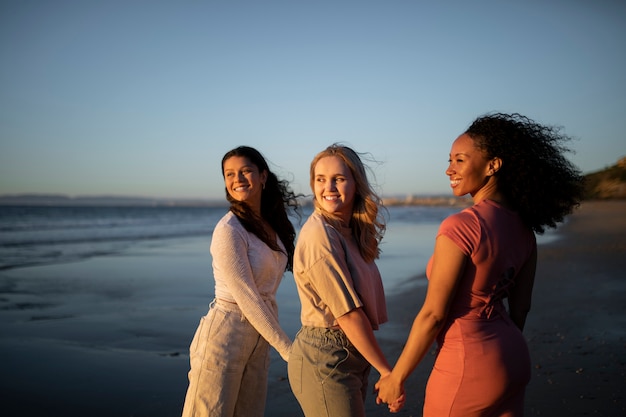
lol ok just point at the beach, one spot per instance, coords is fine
(109, 337)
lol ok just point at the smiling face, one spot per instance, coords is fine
(334, 187)
(469, 170)
(243, 181)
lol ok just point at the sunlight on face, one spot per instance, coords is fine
(334, 187)
(467, 167)
(243, 181)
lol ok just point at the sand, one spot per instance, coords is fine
(106, 346)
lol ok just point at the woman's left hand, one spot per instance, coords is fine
(397, 404)
(390, 392)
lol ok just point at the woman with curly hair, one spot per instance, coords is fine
(252, 246)
(340, 289)
(520, 183)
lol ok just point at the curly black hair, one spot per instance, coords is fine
(277, 200)
(535, 177)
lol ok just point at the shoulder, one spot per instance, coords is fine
(317, 227)
(318, 238)
(463, 228)
(467, 217)
(229, 225)
(228, 220)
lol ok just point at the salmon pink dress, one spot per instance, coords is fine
(482, 365)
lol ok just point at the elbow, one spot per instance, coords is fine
(437, 323)
(433, 321)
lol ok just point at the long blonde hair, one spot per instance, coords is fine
(367, 222)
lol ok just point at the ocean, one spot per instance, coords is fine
(41, 235)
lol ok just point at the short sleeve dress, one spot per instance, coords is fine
(482, 365)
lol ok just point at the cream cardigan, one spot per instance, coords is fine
(248, 272)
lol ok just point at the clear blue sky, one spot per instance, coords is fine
(142, 98)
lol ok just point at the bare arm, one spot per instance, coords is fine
(447, 269)
(358, 329)
(521, 293)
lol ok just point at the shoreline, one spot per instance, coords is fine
(108, 337)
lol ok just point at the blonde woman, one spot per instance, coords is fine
(340, 289)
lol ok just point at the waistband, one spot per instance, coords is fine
(323, 335)
(225, 305)
(232, 306)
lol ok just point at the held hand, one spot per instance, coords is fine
(397, 404)
(390, 392)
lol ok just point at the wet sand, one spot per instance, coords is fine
(108, 337)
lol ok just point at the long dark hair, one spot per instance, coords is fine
(535, 177)
(277, 199)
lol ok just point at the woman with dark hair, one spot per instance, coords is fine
(520, 183)
(340, 289)
(252, 246)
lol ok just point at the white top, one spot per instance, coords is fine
(248, 272)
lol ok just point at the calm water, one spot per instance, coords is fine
(42, 235)
(45, 235)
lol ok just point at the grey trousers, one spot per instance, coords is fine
(327, 374)
(229, 366)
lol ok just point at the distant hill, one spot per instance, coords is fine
(609, 183)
